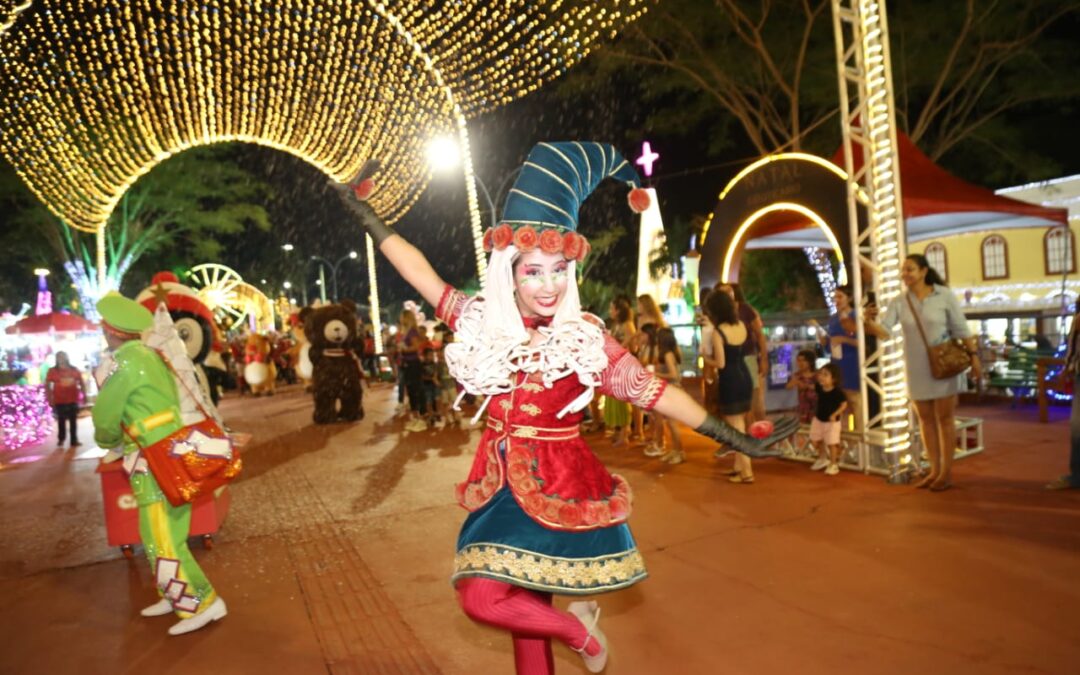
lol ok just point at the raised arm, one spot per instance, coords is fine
(627, 380)
(414, 267)
(406, 258)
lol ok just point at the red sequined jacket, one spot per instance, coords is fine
(549, 468)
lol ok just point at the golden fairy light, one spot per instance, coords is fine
(95, 93)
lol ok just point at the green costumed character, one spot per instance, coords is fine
(140, 395)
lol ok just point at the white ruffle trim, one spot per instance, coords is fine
(486, 362)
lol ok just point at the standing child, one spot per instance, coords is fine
(667, 369)
(825, 427)
(429, 369)
(804, 381)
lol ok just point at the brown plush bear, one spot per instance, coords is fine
(331, 330)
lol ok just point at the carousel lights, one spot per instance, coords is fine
(94, 94)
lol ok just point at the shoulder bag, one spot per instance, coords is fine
(948, 359)
(194, 460)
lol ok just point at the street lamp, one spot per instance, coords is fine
(445, 153)
(351, 255)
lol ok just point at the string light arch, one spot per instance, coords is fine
(93, 93)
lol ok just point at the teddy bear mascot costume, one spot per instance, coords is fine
(545, 515)
(336, 372)
(139, 404)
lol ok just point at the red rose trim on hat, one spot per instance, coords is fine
(501, 236)
(550, 241)
(572, 245)
(525, 239)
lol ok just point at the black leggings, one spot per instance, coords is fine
(67, 414)
(412, 375)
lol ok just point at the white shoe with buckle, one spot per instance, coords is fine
(588, 613)
(215, 611)
(159, 608)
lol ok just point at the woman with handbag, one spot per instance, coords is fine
(937, 348)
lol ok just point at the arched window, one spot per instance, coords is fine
(995, 257)
(1059, 251)
(935, 255)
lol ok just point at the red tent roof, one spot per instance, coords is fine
(928, 189)
(53, 321)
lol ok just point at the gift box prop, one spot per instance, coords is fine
(122, 513)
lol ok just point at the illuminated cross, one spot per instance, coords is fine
(647, 158)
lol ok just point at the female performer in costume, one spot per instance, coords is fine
(545, 515)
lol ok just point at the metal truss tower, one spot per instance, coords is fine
(871, 160)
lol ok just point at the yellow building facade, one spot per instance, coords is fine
(1014, 282)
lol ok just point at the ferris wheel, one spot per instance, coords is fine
(231, 299)
(216, 285)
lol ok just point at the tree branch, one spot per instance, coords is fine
(924, 118)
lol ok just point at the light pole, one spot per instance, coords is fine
(288, 248)
(351, 255)
(444, 154)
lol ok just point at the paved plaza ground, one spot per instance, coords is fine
(336, 555)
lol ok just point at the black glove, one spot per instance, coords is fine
(722, 432)
(360, 208)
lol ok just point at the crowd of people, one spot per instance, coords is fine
(545, 515)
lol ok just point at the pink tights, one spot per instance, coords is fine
(529, 617)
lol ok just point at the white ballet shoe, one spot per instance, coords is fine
(159, 608)
(212, 613)
(588, 613)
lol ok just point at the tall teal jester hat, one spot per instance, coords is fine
(542, 207)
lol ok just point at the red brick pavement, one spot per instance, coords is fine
(336, 555)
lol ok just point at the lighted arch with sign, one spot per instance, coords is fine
(737, 245)
(812, 189)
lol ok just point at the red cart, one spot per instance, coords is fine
(122, 513)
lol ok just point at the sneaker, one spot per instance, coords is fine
(653, 450)
(416, 425)
(820, 464)
(1062, 483)
(674, 457)
(832, 470)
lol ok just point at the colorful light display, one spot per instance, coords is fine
(93, 94)
(25, 416)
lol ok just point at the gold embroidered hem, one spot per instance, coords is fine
(548, 573)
